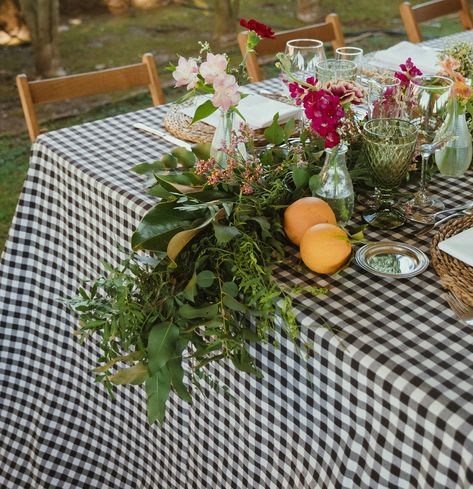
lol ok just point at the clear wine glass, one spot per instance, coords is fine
(384, 98)
(428, 102)
(304, 54)
(350, 53)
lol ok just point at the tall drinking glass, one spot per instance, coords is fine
(428, 102)
(388, 147)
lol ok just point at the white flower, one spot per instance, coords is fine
(214, 67)
(186, 72)
(226, 92)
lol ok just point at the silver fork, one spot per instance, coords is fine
(463, 312)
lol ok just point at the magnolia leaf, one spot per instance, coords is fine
(161, 223)
(178, 242)
(131, 375)
(300, 176)
(203, 111)
(264, 224)
(177, 375)
(184, 156)
(202, 150)
(190, 290)
(161, 345)
(205, 279)
(136, 355)
(144, 168)
(158, 191)
(157, 391)
(224, 233)
(171, 185)
(169, 161)
(274, 134)
(230, 288)
(206, 312)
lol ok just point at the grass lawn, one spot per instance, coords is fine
(105, 40)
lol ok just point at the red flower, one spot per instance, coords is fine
(408, 71)
(262, 30)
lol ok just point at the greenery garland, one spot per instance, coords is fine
(207, 289)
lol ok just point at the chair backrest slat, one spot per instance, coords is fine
(75, 86)
(328, 31)
(413, 15)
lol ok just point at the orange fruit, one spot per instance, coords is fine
(304, 213)
(325, 248)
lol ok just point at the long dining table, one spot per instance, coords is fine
(386, 402)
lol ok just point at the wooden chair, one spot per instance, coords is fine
(328, 31)
(74, 86)
(411, 16)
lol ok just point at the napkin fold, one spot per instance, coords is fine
(257, 110)
(426, 59)
(460, 246)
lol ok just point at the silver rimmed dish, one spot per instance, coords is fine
(391, 259)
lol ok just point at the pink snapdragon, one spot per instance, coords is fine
(186, 73)
(226, 92)
(214, 67)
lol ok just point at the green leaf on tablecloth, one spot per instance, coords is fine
(301, 176)
(144, 168)
(184, 156)
(224, 233)
(205, 279)
(206, 312)
(203, 111)
(131, 375)
(161, 223)
(289, 128)
(161, 345)
(180, 183)
(177, 379)
(274, 133)
(243, 361)
(157, 391)
(169, 161)
(314, 183)
(136, 355)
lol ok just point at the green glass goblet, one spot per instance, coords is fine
(388, 148)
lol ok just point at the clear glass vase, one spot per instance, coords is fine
(455, 157)
(228, 124)
(335, 185)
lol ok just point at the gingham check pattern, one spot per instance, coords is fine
(386, 404)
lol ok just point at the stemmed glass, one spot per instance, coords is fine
(350, 53)
(428, 102)
(384, 97)
(304, 54)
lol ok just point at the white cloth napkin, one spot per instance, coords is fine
(257, 110)
(460, 246)
(424, 58)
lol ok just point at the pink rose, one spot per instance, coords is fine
(186, 72)
(226, 92)
(214, 67)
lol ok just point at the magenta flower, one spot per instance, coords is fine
(408, 71)
(347, 91)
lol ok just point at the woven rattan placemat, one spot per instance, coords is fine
(454, 274)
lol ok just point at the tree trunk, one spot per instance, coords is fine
(42, 18)
(308, 10)
(226, 14)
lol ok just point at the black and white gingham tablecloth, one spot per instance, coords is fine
(387, 404)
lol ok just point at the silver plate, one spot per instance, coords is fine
(391, 259)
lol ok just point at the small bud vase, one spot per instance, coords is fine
(228, 125)
(335, 185)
